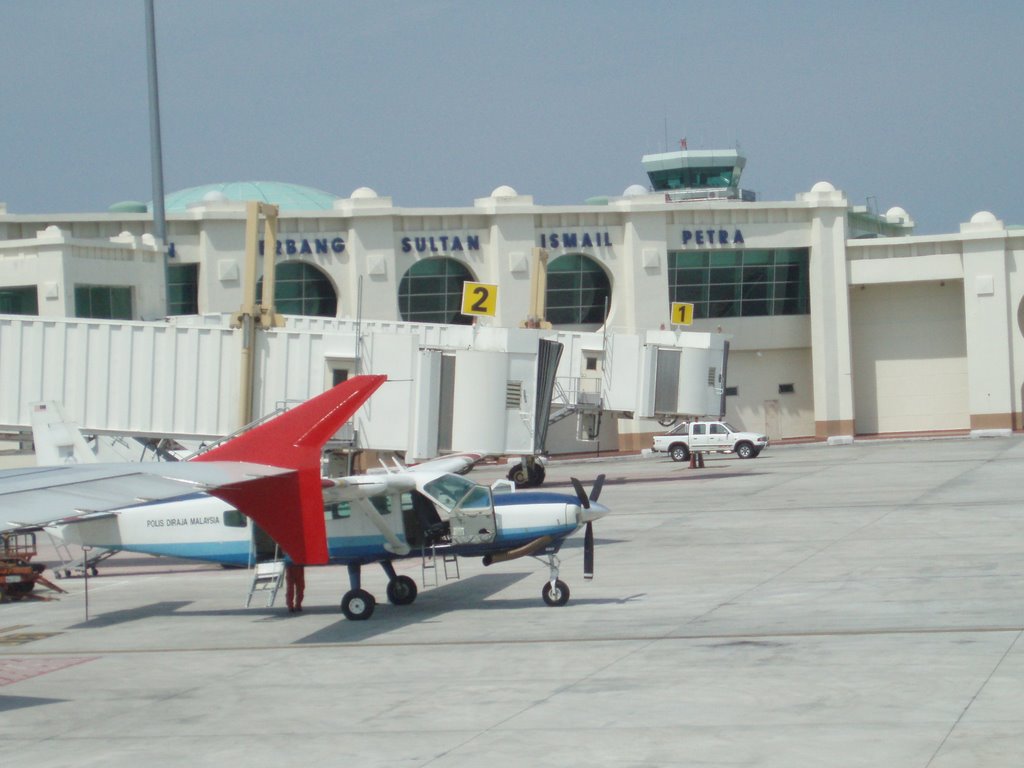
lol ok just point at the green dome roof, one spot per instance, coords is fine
(129, 206)
(290, 197)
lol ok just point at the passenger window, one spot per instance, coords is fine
(717, 429)
(698, 429)
(337, 511)
(235, 519)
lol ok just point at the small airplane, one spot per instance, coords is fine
(362, 519)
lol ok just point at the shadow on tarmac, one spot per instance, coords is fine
(132, 614)
(11, 703)
(681, 473)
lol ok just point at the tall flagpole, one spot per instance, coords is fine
(155, 148)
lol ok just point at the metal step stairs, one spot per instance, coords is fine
(266, 577)
(449, 562)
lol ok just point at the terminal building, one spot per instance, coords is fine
(841, 322)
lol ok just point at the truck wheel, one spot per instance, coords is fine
(518, 476)
(745, 451)
(535, 475)
(679, 453)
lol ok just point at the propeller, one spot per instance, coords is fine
(588, 537)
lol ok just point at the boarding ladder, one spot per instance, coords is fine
(266, 577)
(449, 561)
(77, 566)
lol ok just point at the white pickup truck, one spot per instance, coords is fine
(709, 437)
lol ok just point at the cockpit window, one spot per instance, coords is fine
(477, 498)
(448, 490)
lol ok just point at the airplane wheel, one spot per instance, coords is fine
(555, 596)
(401, 590)
(358, 605)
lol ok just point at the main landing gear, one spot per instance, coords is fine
(358, 604)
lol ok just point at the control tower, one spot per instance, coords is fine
(699, 174)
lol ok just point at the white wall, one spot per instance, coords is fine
(909, 357)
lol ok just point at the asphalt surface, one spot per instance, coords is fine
(817, 606)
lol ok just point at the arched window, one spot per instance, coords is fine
(431, 292)
(578, 291)
(301, 289)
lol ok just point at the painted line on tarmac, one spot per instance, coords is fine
(678, 637)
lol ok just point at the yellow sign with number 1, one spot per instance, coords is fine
(479, 299)
(682, 313)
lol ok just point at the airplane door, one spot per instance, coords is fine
(263, 547)
(472, 521)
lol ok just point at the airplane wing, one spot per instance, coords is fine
(457, 463)
(37, 496)
(271, 473)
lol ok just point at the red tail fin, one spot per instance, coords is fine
(290, 507)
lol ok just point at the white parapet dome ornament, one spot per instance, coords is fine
(982, 221)
(504, 191)
(823, 186)
(635, 190)
(364, 193)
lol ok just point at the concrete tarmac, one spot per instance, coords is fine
(839, 606)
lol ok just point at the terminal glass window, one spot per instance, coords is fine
(301, 289)
(578, 291)
(748, 283)
(183, 289)
(19, 300)
(431, 292)
(103, 302)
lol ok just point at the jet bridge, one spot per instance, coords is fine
(450, 388)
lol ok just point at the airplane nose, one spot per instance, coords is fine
(595, 512)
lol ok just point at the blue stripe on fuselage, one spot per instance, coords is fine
(532, 497)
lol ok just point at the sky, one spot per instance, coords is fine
(910, 104)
